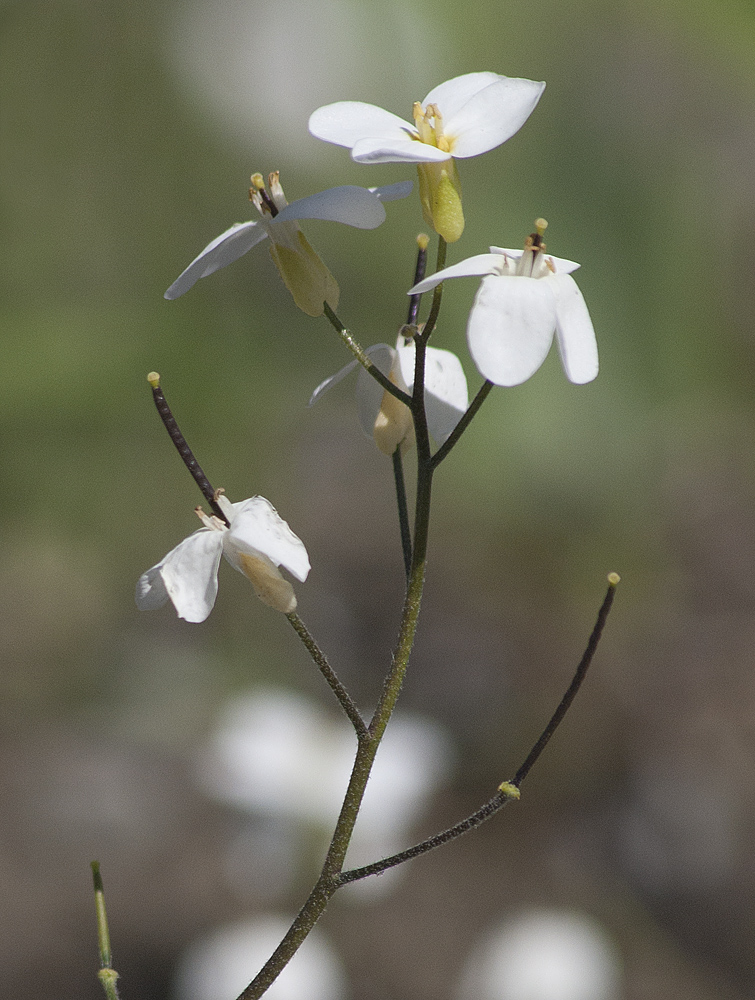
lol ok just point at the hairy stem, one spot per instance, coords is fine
(343, 696)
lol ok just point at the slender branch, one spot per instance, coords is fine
(107, 974)
(438, 293)
(403, 512)
(507, 790)
(419, 273)
(328, 882)
(500, 799)
(571, 691)
(343, 696)
(363, 359)
(462, 425)
(183, 448)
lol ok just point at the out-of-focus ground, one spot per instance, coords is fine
(127, 136)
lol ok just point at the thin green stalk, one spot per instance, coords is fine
(343, 696)
(432, 318)
(403, 512)
(107, 974)
(364, 359)
(508, 790)
(462, 425)
(329, 879)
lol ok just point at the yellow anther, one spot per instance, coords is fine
(423, 241)
(540, 225)
(154, 379)
(614, 579)
(258, 182)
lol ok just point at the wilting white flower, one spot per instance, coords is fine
(524, 299)
(463, 117)
(386, 419)
(256, 542)
(304, 274)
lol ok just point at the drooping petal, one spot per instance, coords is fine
(481, 263)
(346, 122)
(332, 380)
(510, 327)
(351, 205)
(188, 575)
(392, 192)
(223, 250)
(491, 116)
(574, 330)
(258, 528)
(446, 393)
(560, 264)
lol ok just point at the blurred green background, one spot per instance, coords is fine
(127, 136)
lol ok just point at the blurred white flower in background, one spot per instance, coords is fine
(278, 754)
(220, 965)
(544, 955)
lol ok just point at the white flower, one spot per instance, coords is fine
(525, 298)
(463, 117)
(256, 543)
(387, 420)
(304, 274)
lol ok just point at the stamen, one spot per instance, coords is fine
(259, 196)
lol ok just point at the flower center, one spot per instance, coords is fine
(533, 263)
(430, 126)
(267, 203)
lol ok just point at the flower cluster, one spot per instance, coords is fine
(525, 299)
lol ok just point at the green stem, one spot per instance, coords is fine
(403, 512)
(462, 425)
(438, 293)
(343, 696)
(107, 974)
(363, 358)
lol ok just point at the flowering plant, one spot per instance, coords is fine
(411, 395)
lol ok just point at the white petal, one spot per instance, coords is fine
(492, 115)
(188, 575)
(452, 95)
(346, 122)
(574, 331)
(561, 265)
(257, 527)
(392, 192)
(223, 250)
(332, 380)
(377, 149)
(351, 205)
(482, 263)
(446, 394)
(510, 327)
(369, 392)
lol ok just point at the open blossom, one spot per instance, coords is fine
(256, 541)
(524, 299)
(386, 419)
(463, 117)
(302, 270)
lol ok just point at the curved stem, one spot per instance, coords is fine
(507, 790)
(343, 696)
(363, 359)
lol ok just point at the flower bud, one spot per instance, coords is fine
(440, 194)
